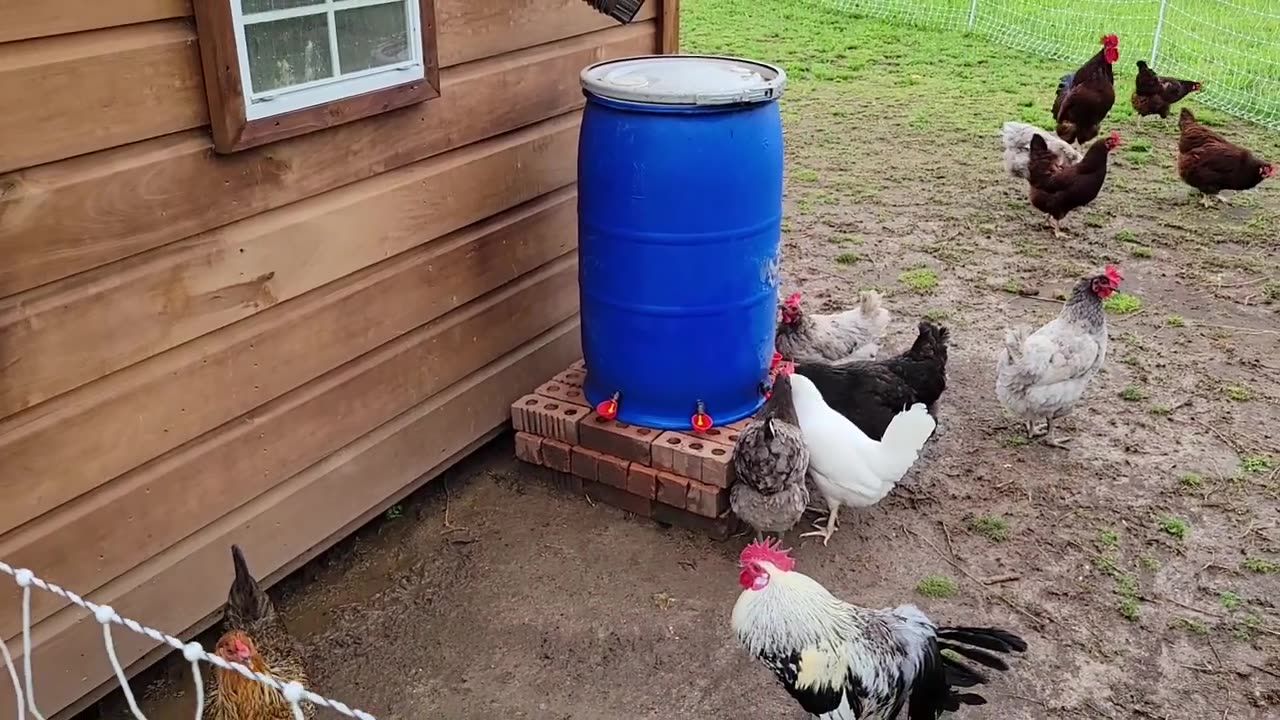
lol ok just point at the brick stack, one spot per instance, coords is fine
(676, 478)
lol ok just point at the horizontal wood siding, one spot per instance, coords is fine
(272, 345)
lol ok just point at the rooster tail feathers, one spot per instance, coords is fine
(935, 691)
(1014, 340)
(246, 601)
(873, 310)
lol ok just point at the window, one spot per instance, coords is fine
(279, 68)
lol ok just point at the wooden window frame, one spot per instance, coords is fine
(233, 130)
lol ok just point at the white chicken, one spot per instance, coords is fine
(843, 662)
(1016, 138)
(848, 467)
(1042, 375)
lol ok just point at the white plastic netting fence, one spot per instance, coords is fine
(1232, 46)
(24, 689)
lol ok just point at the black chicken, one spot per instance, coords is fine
(871, 392)
(624, 11)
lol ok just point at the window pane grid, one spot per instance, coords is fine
(401, 44)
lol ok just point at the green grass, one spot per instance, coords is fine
(936, 587)
(992, 527)
(1175, 321)
(1122, 303)
(1141, 252)
(1191, 480)
(1133, 393)
(1229, 600)
(1238, 392)
(1261, 566)
(921, 280)
(1174, 526)
(1195, 627)
(1254, 464)
(848, 258)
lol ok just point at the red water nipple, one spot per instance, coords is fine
(701, 421)
(608, 409)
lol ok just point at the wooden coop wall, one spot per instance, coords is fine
(268, 347)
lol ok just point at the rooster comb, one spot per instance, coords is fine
(1110, 40)
(1113, 274)
(793, 300)
(770, 551)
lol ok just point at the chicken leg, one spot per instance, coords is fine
(1052, 440)
(828, 529)
(1057, 228)
(1031, 430)
(1206, 200)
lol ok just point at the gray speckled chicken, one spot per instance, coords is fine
(1042, 375)
(770, 460)
(853, 334)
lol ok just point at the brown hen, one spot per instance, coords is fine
(1210, 163)
(254, 636)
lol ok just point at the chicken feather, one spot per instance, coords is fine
(770, 460)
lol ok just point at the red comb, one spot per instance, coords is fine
(793, 299)
(1110, 40)
(1113, 273)
(770, 551)
(786, 368)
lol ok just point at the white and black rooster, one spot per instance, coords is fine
(843, 662)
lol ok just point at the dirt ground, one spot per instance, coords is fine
(1141, 564)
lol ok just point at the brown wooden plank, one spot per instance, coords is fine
(64, 218)
(294, 520)
(669, 28)
(206, 478)
(61, 448)
(475, 29)
(74, 94)
(25, 19)
(124, 313)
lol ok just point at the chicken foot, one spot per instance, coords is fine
(1057, 227)
(826, 530)
(1052, 440)
(1031, 430)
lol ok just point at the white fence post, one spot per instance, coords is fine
(1155, 44)
(973, 12)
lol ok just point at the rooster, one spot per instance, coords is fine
(1042, 375)
(1016, 138)
(1210, 163)
(1056, 189)
(770, 460)
(1154, 95)
(254, 636)
(850, 335)
(1085, 97)
(843, 662)
(848, 467)
(871, 393)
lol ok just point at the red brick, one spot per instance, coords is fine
(642, 481)
(557, 455)
(618, 498)
(627, 442)
(719, 435)
(571, 377)
(706, 500)
(719, 528)
(563, 393)
(529, 448)
(673, 490)
(563, 481)
(612, 471)
(547, 418)
(584, 462)
(692, 456)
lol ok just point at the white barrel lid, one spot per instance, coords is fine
(685, 80)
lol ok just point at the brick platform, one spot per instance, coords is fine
(675, 478)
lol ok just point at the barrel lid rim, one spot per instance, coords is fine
(770, 89)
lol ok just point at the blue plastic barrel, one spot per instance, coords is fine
(679, 218)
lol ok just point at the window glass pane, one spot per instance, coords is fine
(372, 36)
(257, 6)
(288, 52)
